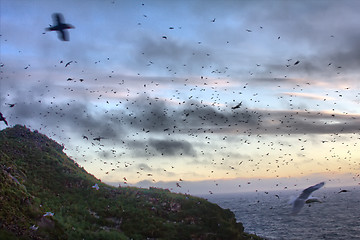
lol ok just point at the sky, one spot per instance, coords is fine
(262, 94)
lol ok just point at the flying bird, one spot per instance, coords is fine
(297, 62)
(67, 64)
(304, 196)
(96, 186)
(48, 214)
(237, 106)
(3, 119)
(60, 26)
(11, 104)
(34, 227)
(98, 138)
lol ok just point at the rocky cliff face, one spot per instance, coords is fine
(46, 195)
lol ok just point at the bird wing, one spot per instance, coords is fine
(312, 199)
(306, 193)
(58, 18)
(63, 35)
(3, 119)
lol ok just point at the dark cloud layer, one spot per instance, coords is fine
(170, 148)
(152, 116)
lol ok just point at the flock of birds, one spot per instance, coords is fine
(156, 118)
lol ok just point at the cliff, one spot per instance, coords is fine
(45, 195)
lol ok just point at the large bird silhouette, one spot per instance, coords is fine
(60, 26)
(304, 196)
(2, 118)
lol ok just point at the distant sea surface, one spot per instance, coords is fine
(269, 216)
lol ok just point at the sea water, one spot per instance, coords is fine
(268, 214)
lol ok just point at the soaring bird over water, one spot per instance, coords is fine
(304, 196)
(60, 26)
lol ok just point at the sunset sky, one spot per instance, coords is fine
(157, 81)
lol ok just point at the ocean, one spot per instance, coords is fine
(269, 216)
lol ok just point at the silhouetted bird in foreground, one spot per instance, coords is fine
(60, 26)
(304, 196)
(3, 119)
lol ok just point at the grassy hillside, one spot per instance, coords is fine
(37, 177)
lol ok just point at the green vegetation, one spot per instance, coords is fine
(37, 177)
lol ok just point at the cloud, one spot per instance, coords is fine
(307, 95)
(155, 117)
(172, 147)
(276, 80)
(75, 115)
(242, 185)
(145, 167)
(172, 56)
(161, 147)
